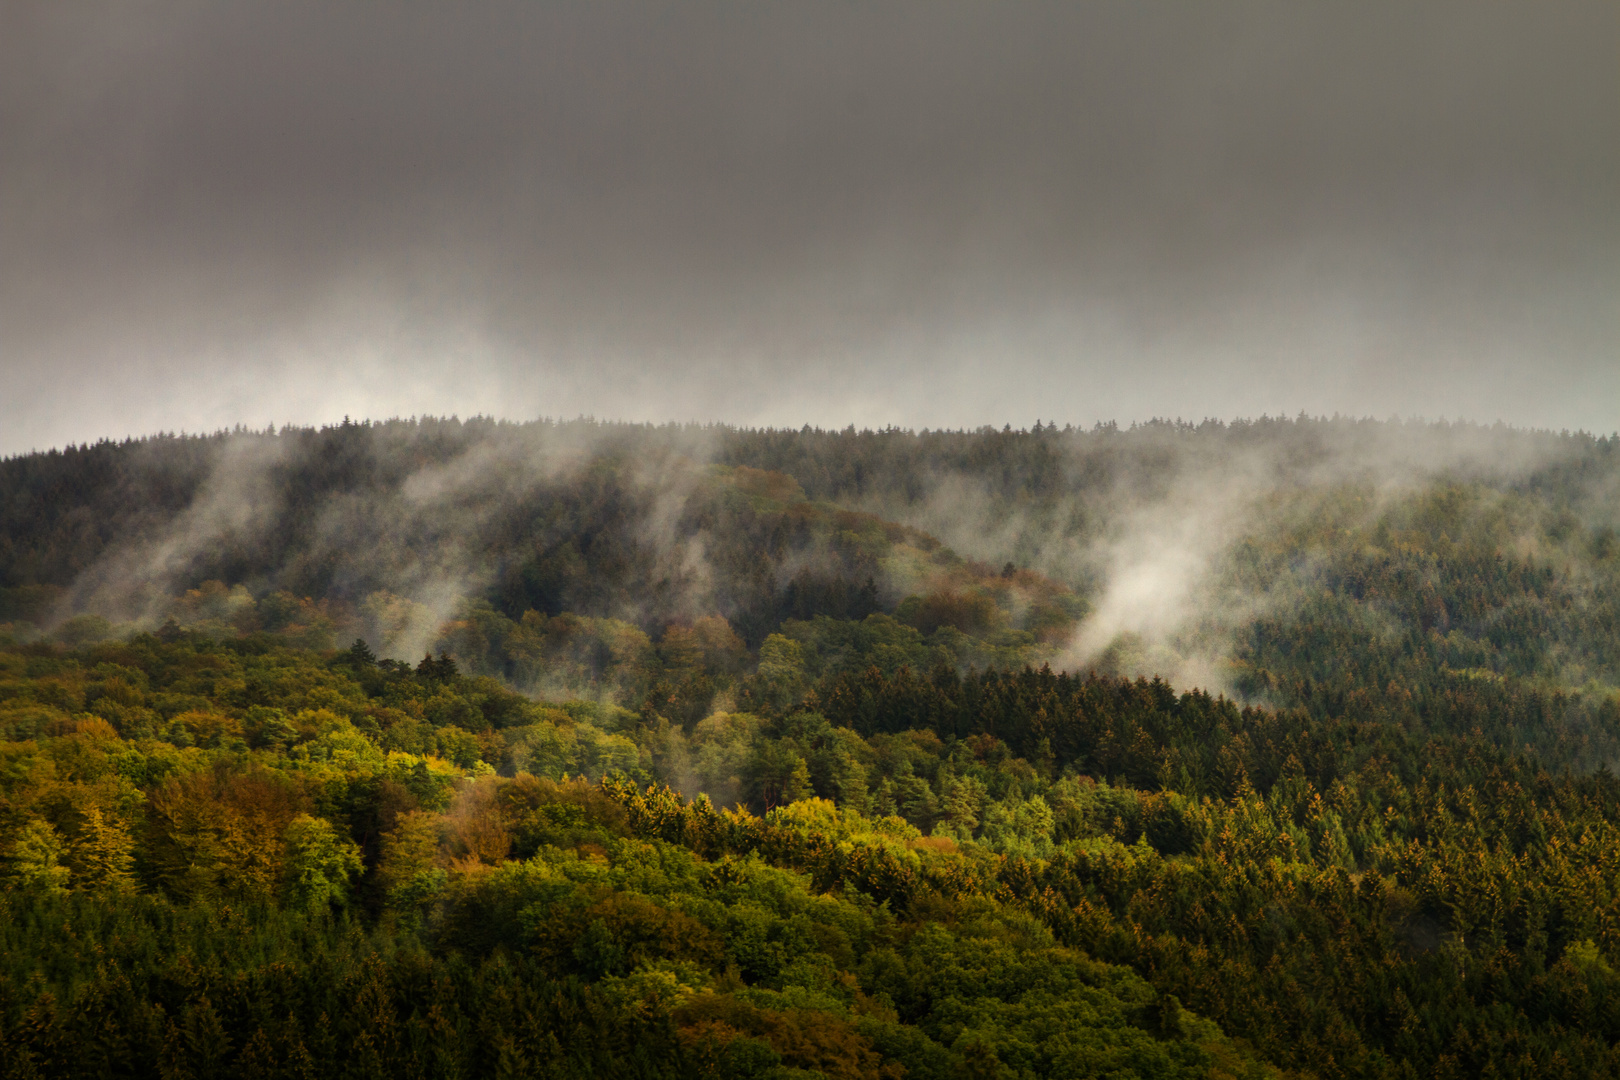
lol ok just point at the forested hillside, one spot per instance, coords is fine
(440, 748)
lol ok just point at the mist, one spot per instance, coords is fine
(1176, 540)
(928, 215)
(1150, 524)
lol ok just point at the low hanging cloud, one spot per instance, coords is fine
(1148, 524)
(408, 522)
(926, 214)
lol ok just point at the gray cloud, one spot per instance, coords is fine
(928, 214)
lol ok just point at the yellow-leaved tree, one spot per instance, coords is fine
(220, 834)
(33, 861)
(103, 854)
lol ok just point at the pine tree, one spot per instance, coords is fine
(360, 655)
(798, 782)
(442, 670)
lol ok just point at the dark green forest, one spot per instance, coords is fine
(444, 748)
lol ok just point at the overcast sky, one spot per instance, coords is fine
(921, 214)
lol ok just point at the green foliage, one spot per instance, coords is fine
(320, 863)
(319, 898)
(845, 823)
(34, 859)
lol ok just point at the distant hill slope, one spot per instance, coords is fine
(598, 520)
(1427, 574)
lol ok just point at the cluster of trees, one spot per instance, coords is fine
(602, 521)
(1457, 609)
(718, 762)
(237, 853)
(1364, 554)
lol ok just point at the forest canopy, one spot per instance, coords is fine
(437, 748)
